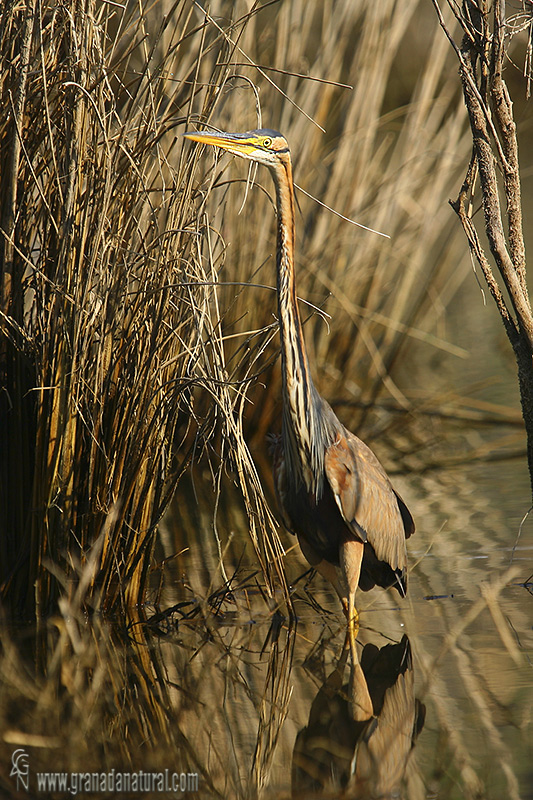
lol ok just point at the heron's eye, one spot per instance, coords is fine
(267, 142)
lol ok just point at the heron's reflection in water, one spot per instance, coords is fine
(360, 734)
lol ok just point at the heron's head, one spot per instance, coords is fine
(264, 146)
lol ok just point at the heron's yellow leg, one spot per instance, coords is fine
(350, 558)
(353, 627)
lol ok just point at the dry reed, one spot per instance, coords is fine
(114, 373)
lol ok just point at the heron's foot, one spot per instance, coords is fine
(352, 620)
(352, 629)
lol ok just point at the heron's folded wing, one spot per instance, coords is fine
(366, 499)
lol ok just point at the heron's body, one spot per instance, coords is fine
(333, 492)
(357, 504)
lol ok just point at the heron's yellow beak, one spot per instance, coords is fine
(237, 143)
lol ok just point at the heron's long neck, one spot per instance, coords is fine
(300, 398)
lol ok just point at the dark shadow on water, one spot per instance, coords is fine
(362, 758)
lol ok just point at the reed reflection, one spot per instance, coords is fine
(361, 732)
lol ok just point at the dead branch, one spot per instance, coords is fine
(495, 162)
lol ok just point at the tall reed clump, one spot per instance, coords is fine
(111, 353)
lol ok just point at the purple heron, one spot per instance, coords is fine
(333, 492)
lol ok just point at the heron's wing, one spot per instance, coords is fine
(365, 497)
